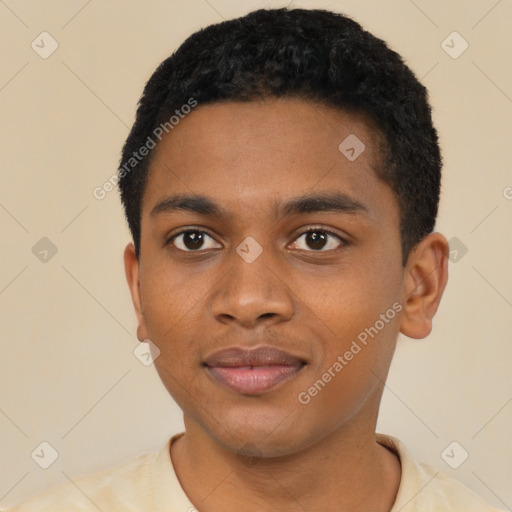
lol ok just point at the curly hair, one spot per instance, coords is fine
(315, 55)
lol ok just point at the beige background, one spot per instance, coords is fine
(68, 374)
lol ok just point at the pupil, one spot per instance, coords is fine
(193, 239)
(316, 240)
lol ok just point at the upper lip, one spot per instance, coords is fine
(261, 356)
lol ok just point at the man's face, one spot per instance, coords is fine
(266, 169)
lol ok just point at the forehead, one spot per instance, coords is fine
(252, 152)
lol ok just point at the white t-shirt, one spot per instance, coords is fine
(148, 483)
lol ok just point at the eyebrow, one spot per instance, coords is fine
(310, 203)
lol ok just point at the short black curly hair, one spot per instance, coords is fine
(316, 55)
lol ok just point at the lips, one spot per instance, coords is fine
(253, 371)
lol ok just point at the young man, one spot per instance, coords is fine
(281, 183)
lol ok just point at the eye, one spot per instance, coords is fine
(192, 240)
(318, 240)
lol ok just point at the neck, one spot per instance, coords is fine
(346, 470)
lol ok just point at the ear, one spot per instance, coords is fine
(425, 279)
(131, 268)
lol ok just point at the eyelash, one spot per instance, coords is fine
(343, 242)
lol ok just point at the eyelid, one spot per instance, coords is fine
(200, 229)
(343, 240)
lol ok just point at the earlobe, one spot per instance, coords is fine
(426, 275)
(131, 268)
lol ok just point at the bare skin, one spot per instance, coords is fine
(268, 450)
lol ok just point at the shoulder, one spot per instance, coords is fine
(126, 486)
(424, 488)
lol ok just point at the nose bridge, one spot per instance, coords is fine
(252, 289)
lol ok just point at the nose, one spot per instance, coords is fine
(251, 294)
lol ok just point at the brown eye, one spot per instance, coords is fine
(193, 240)
(318, 240)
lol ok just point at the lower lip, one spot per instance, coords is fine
(252, 381)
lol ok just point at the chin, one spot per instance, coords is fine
(264, 434)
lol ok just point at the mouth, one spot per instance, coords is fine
(253, 371)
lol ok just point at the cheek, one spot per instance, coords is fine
(351, 377)
(183, 386)
(354, 298)
(171, 312)
(361, 309)
(167, 296)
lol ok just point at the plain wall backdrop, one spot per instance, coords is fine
(68, 374)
